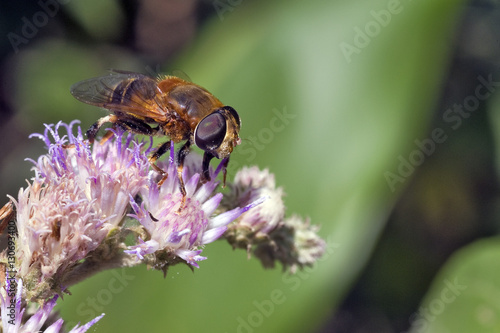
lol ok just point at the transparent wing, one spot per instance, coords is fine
(127, 92)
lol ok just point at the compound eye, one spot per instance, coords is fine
(234, 114)
(210, 132)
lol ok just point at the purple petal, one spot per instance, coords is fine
(176, 236)
(221, 165)
(85, 327)
(191, 257)
(55, 327)
(191, 184)
(213, 234)
(229, 216)
(171, 158)
(211, 205)
(142, 249)
(38, 319)
(205, 191)
(135, 250)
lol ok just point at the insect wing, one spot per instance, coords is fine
(126, 92)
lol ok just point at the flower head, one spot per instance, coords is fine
(251, 183)
(178, 228)
(70, 220)
(265, 230)
(106, 173)
(295, 243)
(78, 195)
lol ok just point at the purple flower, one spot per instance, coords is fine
(177, 229)
(107, 174)
(13, 311)
(72, 220)
(77, 197)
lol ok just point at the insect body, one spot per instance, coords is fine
(167, 106)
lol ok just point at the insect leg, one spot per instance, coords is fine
(136, 126)
(92, 131)
(131, 125)
(140, 127)
(181, 156)
(158, 152)
(224, 171)
(205, 176)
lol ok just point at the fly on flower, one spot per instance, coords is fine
(167, 106)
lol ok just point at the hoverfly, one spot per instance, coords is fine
(168, 106)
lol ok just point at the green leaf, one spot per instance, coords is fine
(465, 295)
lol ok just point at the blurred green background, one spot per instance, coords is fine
(379, 118)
